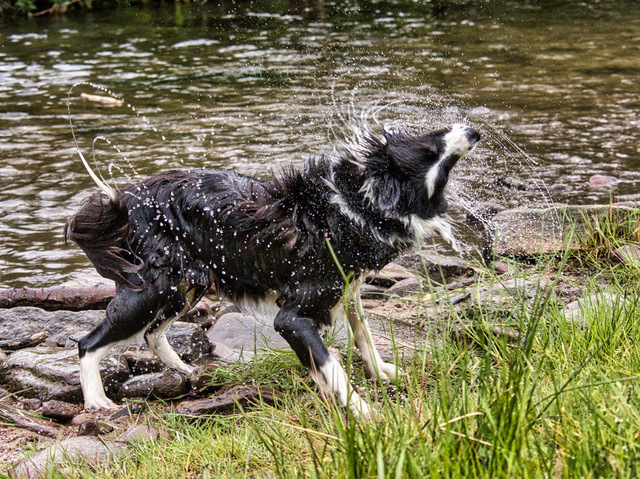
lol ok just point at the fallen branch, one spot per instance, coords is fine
(24, 342)
(18, 418)
(56, 298)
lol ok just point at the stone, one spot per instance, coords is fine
(86, 449)
(574, 311)
(602, 181)
(26, 321)
(143, 362)
(483, 212)
(389, 275)
(629, 255)
(3, 356)
(140, 433)
(371, 291)
(93, 427)
(226, 401)
(531, 231)
(163, 385)
(406, 287)
(188, 340)
(54, 373)
(437, 266)
(245, 334)
(60, 410)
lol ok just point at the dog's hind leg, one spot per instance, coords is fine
(373, 363)
(155, 335)
(301, 332)
(127, 314)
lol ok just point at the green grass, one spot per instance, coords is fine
(555, 400)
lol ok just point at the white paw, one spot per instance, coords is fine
(389, 372)
(360, 408)
(99, 403)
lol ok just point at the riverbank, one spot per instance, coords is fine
(514, 369)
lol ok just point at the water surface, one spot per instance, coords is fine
(256, 85)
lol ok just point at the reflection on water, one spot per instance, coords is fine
(256, 85)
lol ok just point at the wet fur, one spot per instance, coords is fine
(166, 240)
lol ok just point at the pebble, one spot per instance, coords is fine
(60, 410)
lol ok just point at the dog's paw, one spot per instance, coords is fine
(360, 408)
(390, 372)
(99, 403)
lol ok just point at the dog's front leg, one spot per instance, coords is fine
(375, 366)
(302, 335)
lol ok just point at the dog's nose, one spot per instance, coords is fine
(473, 136)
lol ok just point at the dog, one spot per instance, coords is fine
(284, 246)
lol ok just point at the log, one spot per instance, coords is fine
(26, 342)
(17, 418)
(53, 299)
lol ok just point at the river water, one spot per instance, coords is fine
(553, 87)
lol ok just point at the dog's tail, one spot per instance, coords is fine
(101, 228)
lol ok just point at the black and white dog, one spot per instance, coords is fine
(267, 245)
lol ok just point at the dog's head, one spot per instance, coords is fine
(408, 173)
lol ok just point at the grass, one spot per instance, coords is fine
(560, 401)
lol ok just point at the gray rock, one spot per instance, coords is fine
(226, 401)
(163, 385)
(437, 266)
(391, 274)
(245, 334)
(188, 340)
(26, 321)
(140, 433)
(531, 231)
(85, 449)
(60, 410)
(628, 255)
(406, 287)
(574, 311)
(54, 373)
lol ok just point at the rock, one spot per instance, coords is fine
(502, 295)
(60, 410)
(188, 340)
(574, 311)
(629, 255)
(483, 212)
(226, 401)
(371, 291)
(437, 266)
(54, 373)
(406, 287)
(86, 449)
(143, 362)
(558, 188)
(72, 340)
(531, 231)
(602, 181)
(163, 385)
(31, 404)
(3, 356)
(26, 321)
(140, 433)
(245, 334)
(389, 275)
(92, 427)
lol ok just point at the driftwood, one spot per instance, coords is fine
(25, 342)
(53, 299)
(18, 418)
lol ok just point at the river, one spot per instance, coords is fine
(253, 86)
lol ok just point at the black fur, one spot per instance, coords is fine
(167, 239)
